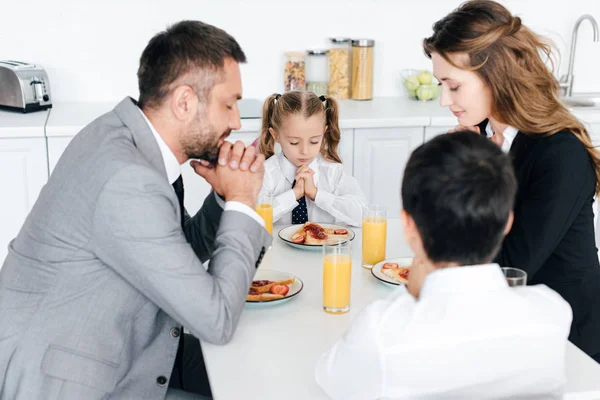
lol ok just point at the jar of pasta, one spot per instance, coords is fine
(317, 72)
(339, 68)
(362, 69)
(295, 71)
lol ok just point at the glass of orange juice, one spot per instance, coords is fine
(374, 235)
(337, 272)
(264, 208)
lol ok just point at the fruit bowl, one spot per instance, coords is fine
(420, 84)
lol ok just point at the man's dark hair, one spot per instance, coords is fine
(185, 47)
(459, 188)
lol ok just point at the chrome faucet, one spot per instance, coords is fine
(566, 81)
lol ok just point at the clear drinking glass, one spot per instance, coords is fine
(515, 276)
(337, 273)
(264, 208)
(374, 235)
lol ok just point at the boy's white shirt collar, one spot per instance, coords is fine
(483, 277)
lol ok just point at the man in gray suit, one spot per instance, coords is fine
(107, 267)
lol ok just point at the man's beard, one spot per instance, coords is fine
(202, 142)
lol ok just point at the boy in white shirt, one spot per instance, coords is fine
(457, 330)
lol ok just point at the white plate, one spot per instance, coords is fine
(273, 275)
(288, 231)
(402, 262)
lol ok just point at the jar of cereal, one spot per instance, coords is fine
(362, 69)
(295, 71)
(339, 68)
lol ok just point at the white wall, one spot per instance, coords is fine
(91, 48)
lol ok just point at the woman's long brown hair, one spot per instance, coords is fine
(509, 57)
(277, 107)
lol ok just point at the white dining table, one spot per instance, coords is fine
(275, 349)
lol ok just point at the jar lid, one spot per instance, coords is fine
(340, 40)
(363, 42)
(294, 54)
(316, 52)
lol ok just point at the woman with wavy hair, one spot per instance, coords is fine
(495, 80)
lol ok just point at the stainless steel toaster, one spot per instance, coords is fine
(24, 87)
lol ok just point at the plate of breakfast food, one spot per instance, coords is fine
(312, 235)
(394, 271)
(270, 286)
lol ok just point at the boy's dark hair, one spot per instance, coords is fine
(183, 48)
(459, 188)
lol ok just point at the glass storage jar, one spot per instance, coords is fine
(339, 68)
(295, 71)
(362, 69)
(317, 72)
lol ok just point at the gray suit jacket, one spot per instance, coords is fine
(101, 275)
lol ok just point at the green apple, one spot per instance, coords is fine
(411, 83)
(425, 78)
(425, 92)
(412, 93)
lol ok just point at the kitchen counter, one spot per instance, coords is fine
(66, 119)
(15, 124)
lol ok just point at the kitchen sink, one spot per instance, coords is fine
(582, 101)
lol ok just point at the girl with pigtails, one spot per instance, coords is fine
(307, 178)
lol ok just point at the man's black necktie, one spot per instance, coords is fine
(178, 186)
(300, 213)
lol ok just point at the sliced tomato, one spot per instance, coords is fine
(280, 289)
(340, 232)
(389, 266)
(297, 239)
(404, 272)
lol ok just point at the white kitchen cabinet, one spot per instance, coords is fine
(433, 131)
(23, 173)
(56, 146)
(380, 156)
(346, 150)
